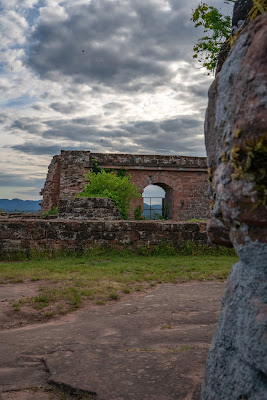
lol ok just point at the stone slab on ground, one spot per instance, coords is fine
(151, 347)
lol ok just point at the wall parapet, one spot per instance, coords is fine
(142, 161)
(19, 215)
(81, 235)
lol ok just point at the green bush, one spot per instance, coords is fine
(118, 188)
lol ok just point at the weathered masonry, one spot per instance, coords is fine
(184, 179)
(20, 234)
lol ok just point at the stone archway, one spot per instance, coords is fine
(164, 200)
(168, 200)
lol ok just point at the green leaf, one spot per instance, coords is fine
(218, 27)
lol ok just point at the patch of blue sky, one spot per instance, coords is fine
(32, 14)
(15, 46)
(20, 101)
(2, 68)
(41, 3)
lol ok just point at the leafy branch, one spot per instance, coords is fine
(217, 28)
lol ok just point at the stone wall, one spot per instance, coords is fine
(96, 208)
(109, 160)
(52, 185)
(184, 179)
(19, 215)
(77, 235)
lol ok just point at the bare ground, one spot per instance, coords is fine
(27, 314)
(148, 345)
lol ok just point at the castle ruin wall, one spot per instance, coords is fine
(184, 179)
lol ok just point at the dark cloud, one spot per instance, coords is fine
(83, 121)
(50, 150)
(29, 193)
(73, 132)
(37, 149)
(65, 108)
(38, 107)
(177, 125)
(28, 125)
(141, 128)
(93, 119)
(195, 92)
(125, 45)
(169, 145)
(113, 105)
(170, 135)
(200, 91)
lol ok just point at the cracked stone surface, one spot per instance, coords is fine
(151, 347)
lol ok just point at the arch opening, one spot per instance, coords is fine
(157, 201)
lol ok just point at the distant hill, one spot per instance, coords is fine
(20, 205)
(155, 209)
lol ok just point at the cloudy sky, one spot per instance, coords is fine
(98, 75)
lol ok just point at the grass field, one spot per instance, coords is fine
(65, 282)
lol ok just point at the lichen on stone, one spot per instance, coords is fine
(232, 39)
(224, 157)
(238, 133)
(249, 164)
(211, 178)
(260, 7)
(212, 204)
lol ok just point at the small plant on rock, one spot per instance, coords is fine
(217, 28)
(52, 211)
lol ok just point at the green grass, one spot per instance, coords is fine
(174, 349)
(65, 393)
(66, 281)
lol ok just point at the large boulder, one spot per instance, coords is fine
(236, 142)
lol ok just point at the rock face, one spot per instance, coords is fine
(241, 14)
(236, 142)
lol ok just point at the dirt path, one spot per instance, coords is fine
(149, 347)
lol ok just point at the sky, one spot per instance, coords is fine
(111, 76)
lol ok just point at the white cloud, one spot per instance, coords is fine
(13, 27)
